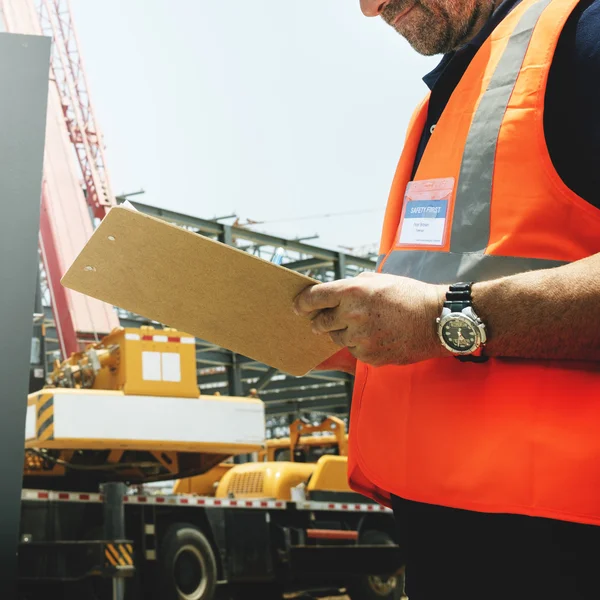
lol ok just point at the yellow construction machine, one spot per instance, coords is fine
(313, 457)
(128, 408)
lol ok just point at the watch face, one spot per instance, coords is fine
(459, 333)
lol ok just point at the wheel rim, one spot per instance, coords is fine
(189, 571)
(383, 586)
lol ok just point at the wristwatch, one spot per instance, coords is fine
(459, 328)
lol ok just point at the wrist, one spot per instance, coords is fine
(485, 294)
(460, 329)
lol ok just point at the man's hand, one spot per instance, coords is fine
(387, 319)
(381, 319)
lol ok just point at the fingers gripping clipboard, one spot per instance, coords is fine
(217, 293)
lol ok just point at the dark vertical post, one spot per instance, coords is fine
(38, 306)
(340, 266)
(24, 68)
(114, 525)
(234, 370)
(226, 237)
(234, 376)
(37, 374)
(114, 510)
(236, 388)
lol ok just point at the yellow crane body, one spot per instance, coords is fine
(129, 407)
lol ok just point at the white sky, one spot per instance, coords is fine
(271, 109)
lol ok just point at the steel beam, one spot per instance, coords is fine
(265, 379)
(284, 407)
(310, 393)
(252, 378)
(24, 67)
(217, 229)
(307, 264)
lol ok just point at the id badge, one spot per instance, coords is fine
(426, 213)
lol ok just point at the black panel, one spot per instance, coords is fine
(248, 535)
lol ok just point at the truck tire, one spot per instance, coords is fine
(188, 565)
(376, 587)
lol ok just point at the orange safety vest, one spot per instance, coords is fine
(509, 435)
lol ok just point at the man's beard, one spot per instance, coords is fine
(441, 25)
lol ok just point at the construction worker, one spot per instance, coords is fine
(476, 345)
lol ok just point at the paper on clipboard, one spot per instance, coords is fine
(199, 286)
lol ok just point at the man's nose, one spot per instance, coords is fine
(372, 8)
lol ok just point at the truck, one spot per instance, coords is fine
(125, 415)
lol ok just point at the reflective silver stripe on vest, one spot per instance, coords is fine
(471, 223)
(447, 267)
(467, 260)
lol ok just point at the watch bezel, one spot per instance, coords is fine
(475, 323)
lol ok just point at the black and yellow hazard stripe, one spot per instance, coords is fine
(119, 555)
(45, 418)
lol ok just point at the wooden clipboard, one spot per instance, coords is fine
(199, 286)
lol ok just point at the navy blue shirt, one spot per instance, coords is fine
(572, 104)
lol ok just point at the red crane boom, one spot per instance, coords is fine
(69, 76)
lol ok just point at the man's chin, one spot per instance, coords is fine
(425, 49)
(425, 41)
